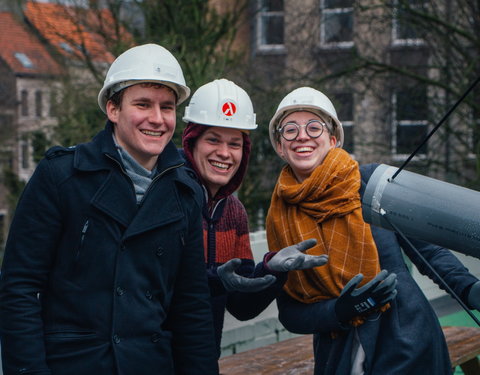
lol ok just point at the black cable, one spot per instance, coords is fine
(450, 290)
(435, 128)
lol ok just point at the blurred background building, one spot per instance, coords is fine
(392, 69)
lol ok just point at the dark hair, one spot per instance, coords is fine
(117, 98)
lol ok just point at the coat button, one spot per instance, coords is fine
(123, 247)
(120, 291)
(116, 339)
(155, 337)
(159, 252)
(148, 294)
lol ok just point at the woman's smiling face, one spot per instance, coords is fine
(304, 153)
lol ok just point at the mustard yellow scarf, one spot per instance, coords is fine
(325, 206)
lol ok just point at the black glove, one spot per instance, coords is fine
(292, 258)
(362, 301)
(474, 296)
(234, 282)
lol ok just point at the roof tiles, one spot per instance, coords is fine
(73, 31)
(22, 51)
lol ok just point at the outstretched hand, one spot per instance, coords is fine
(361, 301)
(234, 282)
(293, 258)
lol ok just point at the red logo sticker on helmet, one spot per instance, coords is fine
(229, 108)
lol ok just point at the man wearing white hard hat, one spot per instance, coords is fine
(103, 270)
(216, 144)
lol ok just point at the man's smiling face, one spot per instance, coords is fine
(218, 154)
(145, 121)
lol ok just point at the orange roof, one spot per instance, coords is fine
(21, 50)
(72, 30)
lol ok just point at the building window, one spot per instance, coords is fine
(24, 60)
(25, 154)
(38, 104)
(337, 23)
(24, 102)
(410, 125)
(53, 103)
(66, 47)
(344, 105)
(270, 26)
(405, 23)
(476, 122)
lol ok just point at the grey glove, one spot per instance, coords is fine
(362, 301)
(474, 296)
(234, 282)
(292, 258)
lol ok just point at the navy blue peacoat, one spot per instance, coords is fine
(94, 283)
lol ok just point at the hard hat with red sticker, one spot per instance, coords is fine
(221, 103)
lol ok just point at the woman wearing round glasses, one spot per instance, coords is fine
(363, 321)
(305, 139)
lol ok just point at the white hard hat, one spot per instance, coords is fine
(145, 63)
(310, 100)
(221, 103)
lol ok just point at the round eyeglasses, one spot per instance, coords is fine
(290, 130)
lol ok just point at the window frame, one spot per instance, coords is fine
(346, 123)
(404, 123)
(24, 155)
(396, 40)
(24, 107)
(24, 60)
(39, 103)
(325, 12)
(260, 36)
(349, 125)
(53, 102)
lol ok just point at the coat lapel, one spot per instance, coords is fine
(115, 196)
(160, 207)
(116, 199)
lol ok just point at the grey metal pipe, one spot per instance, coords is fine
(424, 208)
